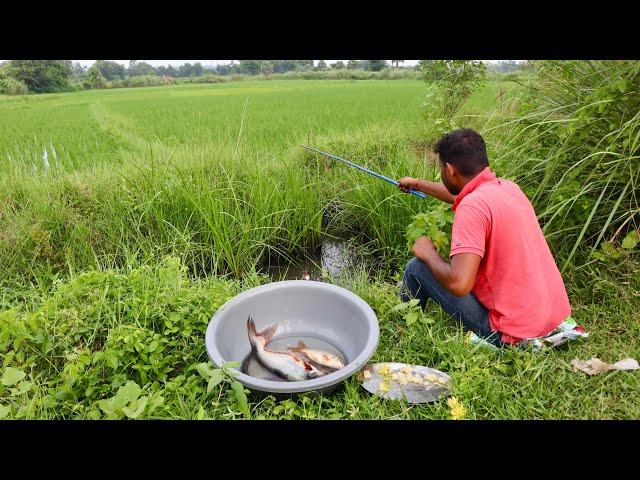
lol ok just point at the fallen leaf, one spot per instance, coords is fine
(596, 366)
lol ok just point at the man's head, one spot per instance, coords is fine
(463, 155)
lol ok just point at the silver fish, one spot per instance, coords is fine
(286, 364)
(320, 357)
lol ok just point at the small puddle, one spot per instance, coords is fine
(331, 259)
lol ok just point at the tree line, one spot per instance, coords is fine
(45, 76)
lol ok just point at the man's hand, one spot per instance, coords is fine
(407, 183)
(423, 247)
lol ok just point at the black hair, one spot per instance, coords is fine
(465, 149)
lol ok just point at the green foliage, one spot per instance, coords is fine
(12, 376)
(137, 69)
(377, 65)
(40, 76)
(250, 67)
(631, 240)
(449, 85)
(95, 79)
(113, 258)
(435, 224)
(109, 345)
(12, 86)
(128, 402)
(612, 254)
(142, 81)
(575, 151)
(266, 68)
(109, 70)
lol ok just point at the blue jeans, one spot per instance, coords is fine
(420, 283)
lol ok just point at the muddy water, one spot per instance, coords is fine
(333, 258)
(252, 367)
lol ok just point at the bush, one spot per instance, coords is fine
(40, 76)
(449, 84)
(95, 79)
(141, 81)
(575, 150)
(11, 86)
(95, 348)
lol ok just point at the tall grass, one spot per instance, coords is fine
(574, 148)
(212, 174)
(148, 187)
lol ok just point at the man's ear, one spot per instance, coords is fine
(451, 170)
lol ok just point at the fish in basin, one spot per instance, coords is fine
(319, 357)
(288, 365)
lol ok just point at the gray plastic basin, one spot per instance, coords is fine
(300, 308)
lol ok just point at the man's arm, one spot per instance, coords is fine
(459, 276)
(435, 189)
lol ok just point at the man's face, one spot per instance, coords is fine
(449, 178)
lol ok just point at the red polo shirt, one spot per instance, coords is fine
(518, 280)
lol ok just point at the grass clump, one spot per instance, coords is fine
(575, 152)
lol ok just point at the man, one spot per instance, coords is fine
(502, 281)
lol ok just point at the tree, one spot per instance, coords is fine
(266, 68)
(197, 70)
(338, 65)
(77, 70)
(110, 70)
(40, 76)
(249, 67)
(449, 84)
(137, 69)
(505, 66)
(352, 65)
(283, 66)
(168, 71)
(396, 62)
(304, 65)
(377, 65)
(95, 79)
(185, 70)
(222, 69)
(322, 65)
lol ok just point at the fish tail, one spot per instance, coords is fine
(268, 332)
(251, 328)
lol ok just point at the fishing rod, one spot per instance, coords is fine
(377, 175)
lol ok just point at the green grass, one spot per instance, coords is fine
(185, 170)
(162, 203)
(78, 345)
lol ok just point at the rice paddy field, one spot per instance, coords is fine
(129, 216)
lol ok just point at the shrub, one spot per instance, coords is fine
(449, 84)
(11, 86)
(141, 81)
(95, 79)
(575, 150)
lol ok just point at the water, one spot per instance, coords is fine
(333, 257)
(253, 368)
